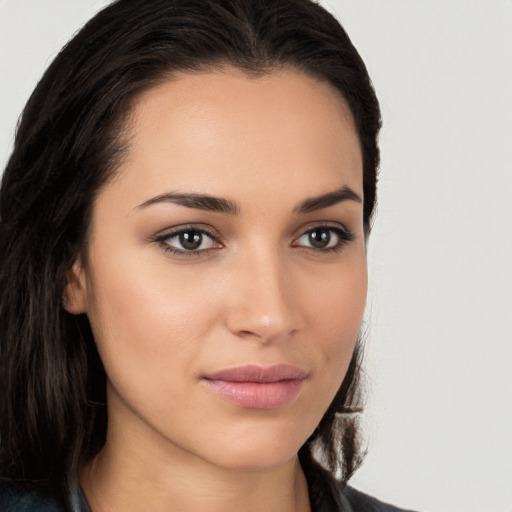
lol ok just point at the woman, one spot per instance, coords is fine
(183, 276)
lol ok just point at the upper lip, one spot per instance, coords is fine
(259, 374)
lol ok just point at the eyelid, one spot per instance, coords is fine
(327, 224)
(180, 228)
(165, 234)
(344, 234)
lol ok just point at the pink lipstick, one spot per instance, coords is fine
(257, 387)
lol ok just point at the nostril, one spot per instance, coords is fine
(247, 334)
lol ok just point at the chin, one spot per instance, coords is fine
(257, 450)
(256, 460)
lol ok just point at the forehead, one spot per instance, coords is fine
(215, 132)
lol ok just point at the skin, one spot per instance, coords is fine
(256, 292)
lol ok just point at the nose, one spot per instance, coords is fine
(263, 304)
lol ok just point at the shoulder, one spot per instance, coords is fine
(360, 502)
(14, 499)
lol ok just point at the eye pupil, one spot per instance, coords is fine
(191, 240)
(319, 238)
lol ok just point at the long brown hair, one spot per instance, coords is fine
(69, 142)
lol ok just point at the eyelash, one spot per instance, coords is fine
(344, 235)
(165, 237)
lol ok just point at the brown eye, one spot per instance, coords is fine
(187, 241)
(324, 238)
(319, 238)
(190, 240)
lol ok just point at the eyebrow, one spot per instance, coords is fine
(221, 205)
(325, 200)
(196, 201)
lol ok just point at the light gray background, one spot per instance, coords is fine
(439, 354)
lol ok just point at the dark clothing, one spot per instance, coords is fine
(329, 495)
(326, 495)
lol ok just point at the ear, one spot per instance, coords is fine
(75, 293)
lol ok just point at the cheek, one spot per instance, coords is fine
(336, 306)
(146, 322)
(336, 311)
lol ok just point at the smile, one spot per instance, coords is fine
(256, 387)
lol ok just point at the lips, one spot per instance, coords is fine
(257, 387)
(260, 374)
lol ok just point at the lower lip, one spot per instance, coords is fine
(257, 395)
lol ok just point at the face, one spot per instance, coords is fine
(225, 278)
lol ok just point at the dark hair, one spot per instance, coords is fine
(69, 143)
